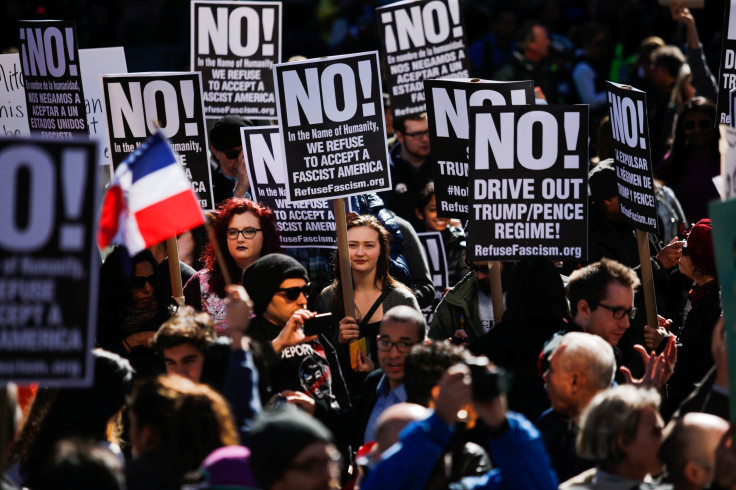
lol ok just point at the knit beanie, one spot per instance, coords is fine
(229, 468)
(225, 133)
(602, 181)
(700, 247)
(264, 276)
(278, 437)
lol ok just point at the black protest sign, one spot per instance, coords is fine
(449, 129)
(435, 250)
(628, 111)
(306, 224)
(53, 79)
(727, 77)
(48, 264)
(332, 127)
(421, 40)
(136, 104)
(234, 45)
(528, 182)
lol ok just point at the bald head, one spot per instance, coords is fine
(393, 420)
(689, 449)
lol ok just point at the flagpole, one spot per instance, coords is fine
(172, 250)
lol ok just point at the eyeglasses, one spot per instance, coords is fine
(248, 233)
(403, 346)
(475, 267)
(139, 282)
(684, 251)
(232, 154)
(292, 294)
(417, 135)
(316, 466)
(702, 124)
(618, 312)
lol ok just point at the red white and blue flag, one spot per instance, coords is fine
(149, 199)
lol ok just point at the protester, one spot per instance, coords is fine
(191, 245)
(245, 231)
(86, 413)
(229, 176)
(226, 467)
(375, 292)
(621, 432)
(580, 367)
(81, 465)
(174, 425)
(694, 159)
(130, 309)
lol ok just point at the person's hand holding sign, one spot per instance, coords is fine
(348, 330)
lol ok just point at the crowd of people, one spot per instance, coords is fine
(263, 378)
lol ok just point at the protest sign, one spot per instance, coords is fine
(53, 79)
(727, 76)
(723, 216)
(234, 45)
(421, 40)
(632, 154)
(307, 224)
(332, 127)
(447, 113)
(48, 264)
(13, 111)
(434, 249)
(136, 104)
(528, 182)
(96, 62)
(727, 146)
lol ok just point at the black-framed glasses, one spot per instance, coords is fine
(232, 154)
(139, 282)
(684, 251)
(702, 124)
(618, 312)
(292, 294)
(417, 135)
(316, 466)
(248, 233)
(475, 267)
(403, 346)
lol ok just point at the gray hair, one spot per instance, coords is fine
(591, 354)
(612, 414)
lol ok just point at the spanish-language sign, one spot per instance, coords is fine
(627, 108)
(447, 113)
(96, 62)
(421, 40)
(234, 45)
(305, 224)
(332, 127)
(13, 111)
(727, 77)
(528, 182)
(53, 79)
(48, 264)
(136, 104)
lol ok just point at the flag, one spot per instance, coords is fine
(149, 199)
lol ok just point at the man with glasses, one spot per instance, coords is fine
(411, 168)
(465, 313)
(402, 327)
(301, 370)
(229, 177)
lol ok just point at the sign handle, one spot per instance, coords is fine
(494, 271)
(346, 275)
(172, 250)
(647, 280)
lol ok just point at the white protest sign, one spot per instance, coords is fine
(13, 110)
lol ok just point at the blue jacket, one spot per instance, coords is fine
(519, 456)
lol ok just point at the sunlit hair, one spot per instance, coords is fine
(591, 282)
(225, 212)
(188, 326)
(383, 278)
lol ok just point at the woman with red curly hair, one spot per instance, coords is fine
(245, 231)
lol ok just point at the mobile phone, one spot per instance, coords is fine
(318, 325)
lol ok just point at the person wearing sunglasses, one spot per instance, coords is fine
(302, 370)
(245, 231)
(694, 159)
(131, 310)
(229, 176)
